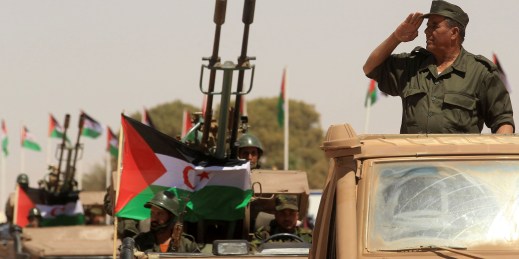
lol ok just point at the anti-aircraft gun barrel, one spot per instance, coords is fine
(248, 18)
(219, 19)
(71, 162)
(62, 149)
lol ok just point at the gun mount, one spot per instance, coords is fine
(215, 136)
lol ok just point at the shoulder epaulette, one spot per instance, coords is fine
(419, 51)
(485, 61)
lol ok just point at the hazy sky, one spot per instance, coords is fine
(105, 57)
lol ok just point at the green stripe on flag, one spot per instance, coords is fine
(64, 220)
(211, 202)
(31, 145)
(89, 132)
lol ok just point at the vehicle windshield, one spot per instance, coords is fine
(465, 203)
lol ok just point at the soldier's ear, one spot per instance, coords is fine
(455, 32)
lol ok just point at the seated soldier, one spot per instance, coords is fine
(251, 149)
(126, 227)
(165, 209)
(34, 218)
(285, 221)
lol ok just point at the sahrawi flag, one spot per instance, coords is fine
(91, 128)
(112, 143)
(28, 140)
(501, 72)
(55, 130)
(4, 139)
(282, 100)
(371, 95)
(208, 188)
(146, 118)
(66, 210)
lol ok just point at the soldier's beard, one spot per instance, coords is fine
(156, 226)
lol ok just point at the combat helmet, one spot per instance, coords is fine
(34, 212)
(249, 140)
(23, 179)
(165, 200)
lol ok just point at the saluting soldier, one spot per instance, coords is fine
(444, 88)
(285, 221)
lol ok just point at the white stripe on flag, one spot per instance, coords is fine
(198, 177)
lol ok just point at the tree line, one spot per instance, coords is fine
(305, 137)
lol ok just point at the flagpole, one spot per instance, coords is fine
(116, 185)
(366, 121)
(48, 150)
(286, 120)
(4, 176)
(22, 160)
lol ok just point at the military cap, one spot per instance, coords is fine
(446, 9)
(286, 202)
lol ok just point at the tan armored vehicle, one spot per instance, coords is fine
(419, 196)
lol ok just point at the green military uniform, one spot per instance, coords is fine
(126, 227)
(145, 242)
(459, 100)
(283, 202)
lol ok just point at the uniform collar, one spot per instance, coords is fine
(458, 65)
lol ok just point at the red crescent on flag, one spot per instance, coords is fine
(55, 212)
(187, 169)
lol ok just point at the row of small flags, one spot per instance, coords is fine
(372, 93)
(91, 128)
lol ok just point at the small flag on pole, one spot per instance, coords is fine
(4, 139)
(204, 105)
(55, 130)
(146, 118)
(186, 123)
(91, 128)
(371, 95)
(28, 140)
(112, 145)
(281, 101)
(502, 74)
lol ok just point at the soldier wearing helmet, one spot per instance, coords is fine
(34, 218)
(251, 149)
(23, 181)
(165, 210)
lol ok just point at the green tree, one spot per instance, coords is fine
(95, 180)
(167, 117)
(305, 137)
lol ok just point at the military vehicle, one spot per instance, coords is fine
(231, 239)
(418, 196)
(59, 236)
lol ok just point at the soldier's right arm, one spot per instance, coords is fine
(406, 31)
